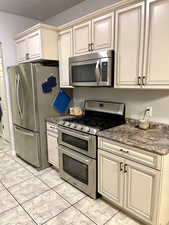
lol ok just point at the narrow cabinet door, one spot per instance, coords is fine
(103, 32)
(82, 38)
(141, 191)
(34, 45)
(53, 155)
(65, 51)
(129, 35)
(156, 64)
(110, 176)
(21, 50)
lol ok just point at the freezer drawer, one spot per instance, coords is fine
(27, 145)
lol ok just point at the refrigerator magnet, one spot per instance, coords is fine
(46, 88)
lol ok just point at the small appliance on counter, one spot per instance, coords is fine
(77, 138)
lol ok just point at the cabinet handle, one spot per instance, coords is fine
(124, 151)
(89, 47)
(144, 80)
(125, 168)
(121, 166)
(92, 46)
(139, 80)
(27, 55)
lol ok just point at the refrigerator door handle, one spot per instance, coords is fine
(24, 132)
(18, 97)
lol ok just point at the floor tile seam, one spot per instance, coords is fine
(56, 215)
(112, 217)
(84, 214)
(15, 184)
(22, 207)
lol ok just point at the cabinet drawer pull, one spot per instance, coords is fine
(124, 151)
(139, 80)
(144, 80)
(92, 46)
(89, 47)
(121, 166)
(125, 168)
(27, 55)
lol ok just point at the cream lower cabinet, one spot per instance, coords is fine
(111, 182)
(65, 47)
(52, 143)
(129, 185)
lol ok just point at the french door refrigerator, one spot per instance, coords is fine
(30, 107)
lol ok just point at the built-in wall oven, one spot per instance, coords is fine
(96, 69)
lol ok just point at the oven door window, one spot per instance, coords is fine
(84, 73)
(75, 168)
(74, 141)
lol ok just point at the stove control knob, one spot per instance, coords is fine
(67, 124)
(79, 127)
(93, 131)
(72, 125)
(86, 129)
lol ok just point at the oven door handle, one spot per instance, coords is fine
(83, 137)
(97, 72)
(75, 155)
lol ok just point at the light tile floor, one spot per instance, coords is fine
(31, 197)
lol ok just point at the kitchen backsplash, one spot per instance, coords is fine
(136, 100)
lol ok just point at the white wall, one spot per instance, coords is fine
(79, 10)
(10, 25)
(136, 100)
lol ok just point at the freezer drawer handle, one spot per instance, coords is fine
(23, 132)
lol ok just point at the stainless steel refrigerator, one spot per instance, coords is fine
(30, 107)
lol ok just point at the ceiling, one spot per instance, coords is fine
(37, 9)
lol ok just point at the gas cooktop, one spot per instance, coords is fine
(98, 116)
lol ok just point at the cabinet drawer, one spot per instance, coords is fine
(135, 154)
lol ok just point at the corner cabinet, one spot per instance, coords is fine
(134, 180)
(65, 47)
(96, 34)
(36, 43)
(129, 33)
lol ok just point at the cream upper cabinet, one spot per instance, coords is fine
(21, 49)
(65, 51)
(96, 34)
(82, 38)
(156, 64)
(34, 45)
(142, 187)
(129, 34)
(102, 32)
(38, 42)
(110, 176)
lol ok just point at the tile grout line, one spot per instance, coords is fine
(112, 217)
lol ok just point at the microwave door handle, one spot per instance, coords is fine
(97, 71)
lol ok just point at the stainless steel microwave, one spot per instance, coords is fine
(94, 69)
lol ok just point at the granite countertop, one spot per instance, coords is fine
(56, 119)
(155, 139)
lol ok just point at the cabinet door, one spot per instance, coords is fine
(110, 177)
(103, 32)
(141, 191)
(53, 155)
(156, 64)
(21, 50)
(82, 38)
(34, 45)
(65, 51)
(129, 33)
